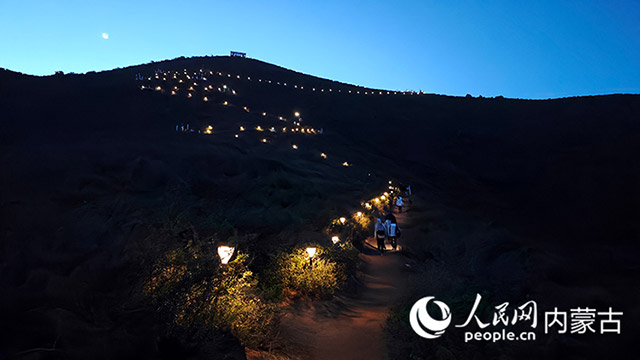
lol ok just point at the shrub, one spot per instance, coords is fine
(197, 294)
(294, 274)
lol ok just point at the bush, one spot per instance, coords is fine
(294, 275)
(197, 294)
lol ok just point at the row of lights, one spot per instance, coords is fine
(209, 129)
(297, 129)
(313, 89)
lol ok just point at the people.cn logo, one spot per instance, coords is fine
(424, 324)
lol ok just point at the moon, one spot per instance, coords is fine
(105, 36)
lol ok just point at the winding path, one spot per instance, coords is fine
(350, 327)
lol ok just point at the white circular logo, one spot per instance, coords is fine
(423, 324)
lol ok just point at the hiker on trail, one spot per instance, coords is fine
(390, 217)
(380, 233)
(393, 231)
(399, 204)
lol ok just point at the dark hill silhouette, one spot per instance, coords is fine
(90, 161)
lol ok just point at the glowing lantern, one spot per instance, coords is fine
(368, 206)
(264, 114)
(383, 197)
(311, 251)
(173, 92)
(335, 239)
(297, 114)
(264, 140)
(225, 253)
(236, 135)
(158, 88)
(294, 146)
(208, 130)
(343, 220)
(323, 155)
(225, 103)
(258, 128)
(345, 164)
(241, 128)
(205, 99)
(386, 193)
(189, 95)
(359, 213)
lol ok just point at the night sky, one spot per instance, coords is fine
(537, 49)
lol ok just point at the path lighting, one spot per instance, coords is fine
(311, 251)
(225, 253)
(343, 220)
(335, 239)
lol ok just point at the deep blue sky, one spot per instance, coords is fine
(526, 49)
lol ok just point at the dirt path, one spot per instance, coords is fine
(350, 327)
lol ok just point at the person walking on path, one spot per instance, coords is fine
(399, 204)
(393, 231)
(380, 233)
(390, 217)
